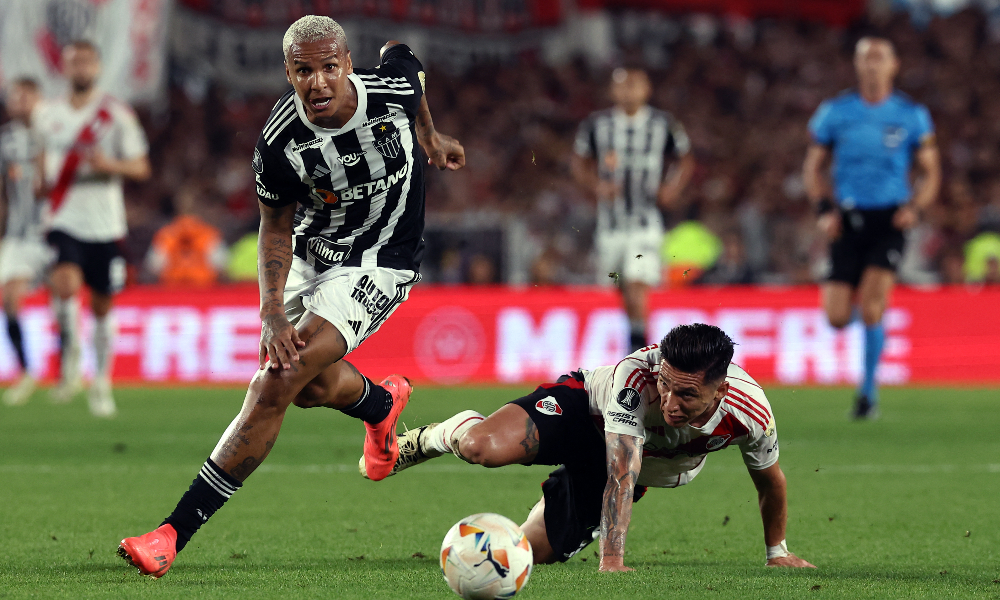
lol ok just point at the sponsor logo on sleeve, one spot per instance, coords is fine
(716, 441)
(423, 81)
(623, 418)
(629, 399)
(773, 448)
(263, 193)
(548, 406)
(769, 431)
(258, 163)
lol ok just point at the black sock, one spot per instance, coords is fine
(637, 338)
(14, 331)
(373, 406)
(207, 494)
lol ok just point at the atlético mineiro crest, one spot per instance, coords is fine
(548, 406)
(387, 140)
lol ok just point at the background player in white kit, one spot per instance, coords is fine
(24, 255)
(92, 143)
(664, 408)
(621, 156)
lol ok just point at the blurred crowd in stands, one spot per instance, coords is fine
(743, 90)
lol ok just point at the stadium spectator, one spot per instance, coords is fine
(744, 95)
(187, 252)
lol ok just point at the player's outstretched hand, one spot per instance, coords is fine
(280, 342)
(444, 152)
(614, 564)
(790, 561)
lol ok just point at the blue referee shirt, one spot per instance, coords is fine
(873, 147)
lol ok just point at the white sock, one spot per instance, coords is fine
(104, 335)
(443, 438)
(67, 317)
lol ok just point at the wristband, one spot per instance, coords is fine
(779, 551)
(825, 206)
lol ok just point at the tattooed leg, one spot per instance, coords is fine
(506, 437)
(253, 433)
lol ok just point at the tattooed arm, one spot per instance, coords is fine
(278, 338)
(443, 151)
(624, 463)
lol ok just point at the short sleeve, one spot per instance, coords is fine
(132, 138)
(925, 126)
(586, 144)
(277, 183)
(761, 452)
(399, 61)
(821, 125)
(678, 143)
(625, 410)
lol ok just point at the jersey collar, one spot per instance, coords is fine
(352, 123)
(640, 116)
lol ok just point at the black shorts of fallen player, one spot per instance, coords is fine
(570, 437)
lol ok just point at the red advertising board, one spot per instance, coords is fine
(453, 335)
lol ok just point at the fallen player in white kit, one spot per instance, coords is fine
(649, 421)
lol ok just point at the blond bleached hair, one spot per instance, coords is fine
(313, 28)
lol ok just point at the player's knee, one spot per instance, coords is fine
(872, 312)
(478, 447)
(838, 319)
(270, 391)
(312, 395)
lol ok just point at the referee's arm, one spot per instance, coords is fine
(815, 174)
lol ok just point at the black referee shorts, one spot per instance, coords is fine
(868, 239)
(569, 437)
(101, 262)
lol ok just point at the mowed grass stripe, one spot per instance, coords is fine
(904, 507)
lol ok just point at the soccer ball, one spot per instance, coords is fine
(486, 556)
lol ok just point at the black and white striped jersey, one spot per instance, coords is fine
(360, 188)
(633, 152)
(19, 151)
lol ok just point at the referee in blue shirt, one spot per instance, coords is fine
(865, 200)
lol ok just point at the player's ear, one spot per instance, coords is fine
(350, 64)
(288, 74)
(723, 389)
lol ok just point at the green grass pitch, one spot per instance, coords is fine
(904, 507)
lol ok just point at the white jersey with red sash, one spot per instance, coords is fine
(625, 396)
(88, 206)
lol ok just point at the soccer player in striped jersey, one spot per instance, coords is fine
(648, 421)
(635, 160)
(341, 191)
(24, 255)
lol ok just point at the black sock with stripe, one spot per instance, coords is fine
(373, 406)
(208, 492)
(17, 340)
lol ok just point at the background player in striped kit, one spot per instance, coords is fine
(648, 421)
(93, 142)
(24, 256)
(621, 156)
(341, 192)
(873, 135)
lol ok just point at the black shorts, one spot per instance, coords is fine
(569, 436)
(101, 262)
(868, 239)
